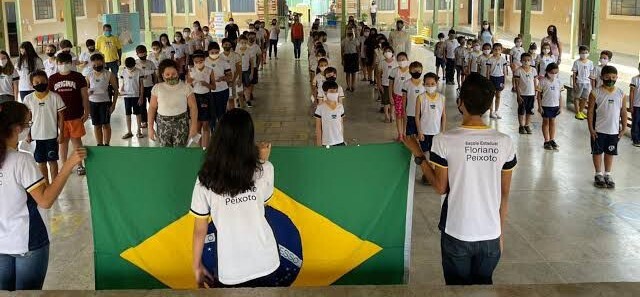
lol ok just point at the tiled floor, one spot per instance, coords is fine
(560, 228)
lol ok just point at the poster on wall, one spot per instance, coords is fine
(218, 22)
(127, 27)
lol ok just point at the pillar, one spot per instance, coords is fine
(455, 6)
(344, 18)
(169, 12)
(420, 24)
(187, 10)
(486, 6)
(19, 21)
(148, 36)
(266, 10)
(525, 21)
(594, 52)
(573, 37)
(2, 37)
(116, 6)
(434, 23)
(496, 11)
(133, 7)
(70, 29)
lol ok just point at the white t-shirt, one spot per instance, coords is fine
(516, 55)
(340, 94)
(246, 57)
(148, 69)
(526, 81)
(255, 49)
(99, 86)
(44, 113)
(374, 8)
(412, 91)
(550, 91)
(496, 66)
(583, 70)
(597, 75)
(607, 112)
(199, 76)
(172, 100)
(273, 34)
(450, 46)
(635, 83)
(156, 59)
(482, 64)
(6, 82)
(50, 67)
(21, 226)
(474, 61)
(247, 248)
(544, 61)
(24, 84)
(233, 59)
(460, 54)
(387, 68)
(181, 50)
(319, 80)
(475, 158)
(431, 110)
(399, 78)
(130, 81)
(219, 67)
(85, 57)
(167, 51)
(332, 129)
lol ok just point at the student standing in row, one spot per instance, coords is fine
(431, 114)
(248, 66)
(385, 66)
(526, 84)
(28, 62)
(350, 50)
(72, 87)
(596, 78)
(441, 55)
(84, 61)
(544, 59)
(273, 38)
(202, 79)
(101, 103)
(220, 87)
(460, 57)
(330, 118)
(8, 78)
(410, 92)
(474, 56)
(550, 104)
(582, 69)
(131, 88)
(148, 69)
(50, 64)
(496, 70)
(397, 78)
(235, 61)
(450, 47)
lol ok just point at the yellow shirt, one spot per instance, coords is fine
(109, 47)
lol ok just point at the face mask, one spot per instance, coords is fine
(485, 27)
(604, 62)
(486, 52)
(199, 65)
(533, 52)
(226, 48)
(107, 33)
(416, 75)
(231, 22)
(399, 27)
(172, 81)
(553, 75)
(92, 48)
(550, 32)
(322, 68)
(476, 48)
(332, 97)
(609, 82)
(177, 39)
(64, 68)
(51, 55)
(331, 78)
(3, 62)
(546, 51)
(41, 87)
(431, 90)
(388, 55)
(584, 56)
(206, 32)
(98, 68)
(214, 56)
(23, 134)
(403, 64)
(142, 58)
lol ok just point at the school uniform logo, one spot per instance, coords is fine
(334, 116)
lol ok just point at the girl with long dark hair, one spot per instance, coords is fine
(234, 183)
(28, 62)
(8, 78)
(552, 39)
(486, 35)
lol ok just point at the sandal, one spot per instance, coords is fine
(127, 136)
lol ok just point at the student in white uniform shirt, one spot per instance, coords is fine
(156, 55)
(323, 64)
(330, 74)
(24, 248)
(450, 47)
(605, 59)
(515, 56)
(607, 116)
(397, 78)
(65, 47)
(84, 61)
(496, 71)
(222, 74)
(582, 70)
(101, 103)
(525, 80)
(50, 63)
(235, 62)
(476, 52)
(202, 79)
(131, 88)
(254, 50)
(248, 66)
(483, 58)
(545, 59)
(550, 104)
(8, 78)
(148, 69)
(28, 62)
(330, 118)
(431, 114)
(410, 92)
(181, 55)
(474, 209)
(386, 66)
(247, 253)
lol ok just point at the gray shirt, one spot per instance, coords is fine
(350, 46)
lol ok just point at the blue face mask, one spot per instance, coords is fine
(107, 33)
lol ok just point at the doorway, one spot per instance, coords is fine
(12, 28)
(404, 10)
(586, 22)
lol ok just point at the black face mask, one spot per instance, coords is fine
(51, 54)
(143, 58)
(609, 82)
(332, 78)
(41, 87)
(226, 48)
(416, 75)
(98, 67)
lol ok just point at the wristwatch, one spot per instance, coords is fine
(419, 160)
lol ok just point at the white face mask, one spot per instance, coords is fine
(546, 50)
(214, 56)
(388, 55)
(553, 75)
(604, 61)
(584, 56)
(431, 90)
(23, 134)
(403, 64)
(486, 52)
(3, 62)
(64, 68)
(485, 27)
(322, 68)
(332, 97)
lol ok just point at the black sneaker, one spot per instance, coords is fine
(609, 182)
(527, 129)
(599, 181)
(521, 130)
(81, 170)
(636, 144)
(554, 144)
(249, 104)
(548, 146)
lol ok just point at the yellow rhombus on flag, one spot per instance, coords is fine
(328, 251)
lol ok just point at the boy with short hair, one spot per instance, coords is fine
(329, 117)
(84, 60)
(149, 79)
(476, 52)
(410, 92)
(582, 69)
(102, 102)
(248, 60)
(431, 115)
(526, 83)
(483, 58)
(50, 63)
(450, 47)
(131, 88)
(441, 54)
(156, 56)
(330, 74)
(48, 120)
(605, 58)
(607, 116)
(460, 53)
(634, 108)
(65, 47)
(474, 209)
(496, 70)
(515, 56)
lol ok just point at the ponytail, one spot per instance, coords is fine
(11, 113)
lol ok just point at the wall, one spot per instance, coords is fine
(615, 33)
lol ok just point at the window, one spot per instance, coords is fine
(78, 6)
(500, 3)
(243, 5)
(443, 4)
(536, 5)
(43, 9)
(386, 5)
(625, 7)
(180, 6)
(157, 6)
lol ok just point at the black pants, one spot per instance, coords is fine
(450, 70)
(373, 19)
(297, 43)
(469, 263)
(147, 99)
(273, 44)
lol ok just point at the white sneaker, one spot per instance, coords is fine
(497, 115)
(492, 115)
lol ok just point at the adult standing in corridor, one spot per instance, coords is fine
(374, 11)
(110, 47)
(297, 36)
(399, 39)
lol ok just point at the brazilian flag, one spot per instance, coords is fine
(341, 216)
